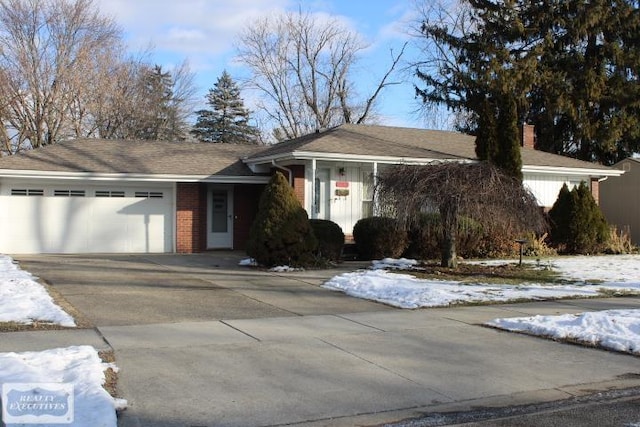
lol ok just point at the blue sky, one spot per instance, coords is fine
(204, 32)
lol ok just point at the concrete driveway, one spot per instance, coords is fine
(203, 342)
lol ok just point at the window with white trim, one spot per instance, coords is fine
(367, 194)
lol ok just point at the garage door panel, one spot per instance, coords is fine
(50, 224)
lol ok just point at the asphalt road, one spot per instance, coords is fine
(616, 408)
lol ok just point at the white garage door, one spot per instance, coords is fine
(68, 218)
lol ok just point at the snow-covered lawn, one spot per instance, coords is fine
(79, 366)
(24, 300)
(586, 277)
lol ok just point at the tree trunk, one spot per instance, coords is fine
(448, 251)
(449, 218)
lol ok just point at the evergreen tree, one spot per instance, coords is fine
(157, 116)
(560, 216)
(587, 95)
(577, 223)
(482, 78)
(228, 120)
(281, 233)
(572, 66)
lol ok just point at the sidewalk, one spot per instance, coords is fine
(353, 369)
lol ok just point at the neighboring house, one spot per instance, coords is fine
(620, 199)
(132, 196)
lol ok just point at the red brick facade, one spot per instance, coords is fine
(191, 217)
(595, 190)
(528, 136)
(298, 182)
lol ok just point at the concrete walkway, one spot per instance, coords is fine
(288, 352)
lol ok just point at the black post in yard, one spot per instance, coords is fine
(521, 242)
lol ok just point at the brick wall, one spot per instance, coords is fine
(298, 182)
(595, 190)
(528, 136)
(191, 214)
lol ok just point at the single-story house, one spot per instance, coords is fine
(113, 196)
(620, 199)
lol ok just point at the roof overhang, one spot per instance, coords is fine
(557, 170)
(341, 157)
(131, 177)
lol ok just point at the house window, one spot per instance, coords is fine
(26, 192)
(68, 193)
(367, 194)
(109, 193)
(150, 194)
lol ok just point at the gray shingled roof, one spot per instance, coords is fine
(388, 141)
(139, 157)
(378, 141)
(170, 158)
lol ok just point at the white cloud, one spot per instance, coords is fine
(187, 27)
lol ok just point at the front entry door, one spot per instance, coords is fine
(220, 218)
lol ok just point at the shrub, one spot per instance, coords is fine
(577, 223)
(425, 237)
(379, 237)
(281, 233)
(620, 242)
(330, 238)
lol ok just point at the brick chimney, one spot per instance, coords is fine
(528, 136)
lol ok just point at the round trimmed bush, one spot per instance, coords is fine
(379, 237)
(330, 238)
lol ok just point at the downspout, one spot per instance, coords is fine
(289, 171)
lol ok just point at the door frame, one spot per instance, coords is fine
(220, 240)
(322, 198)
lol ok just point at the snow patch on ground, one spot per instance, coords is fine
(80, 366)
(617, 330)
(406, 291)
(24, 300)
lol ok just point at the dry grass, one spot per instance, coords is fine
(508, 273)
(111, 376)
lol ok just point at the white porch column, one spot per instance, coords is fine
(314, 199)
(375, 183)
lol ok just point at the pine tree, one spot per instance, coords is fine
(577, 223)
(158, 118)
(281, 233)
(573, 68)
(483, 79)
(228, 120)
(588, 93)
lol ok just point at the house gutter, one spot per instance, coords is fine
(289, 171)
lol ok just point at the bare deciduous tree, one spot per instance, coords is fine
(301, 64)
(64, 74)
(47, 51)
(476, 190)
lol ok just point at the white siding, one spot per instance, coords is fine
(546, 188)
